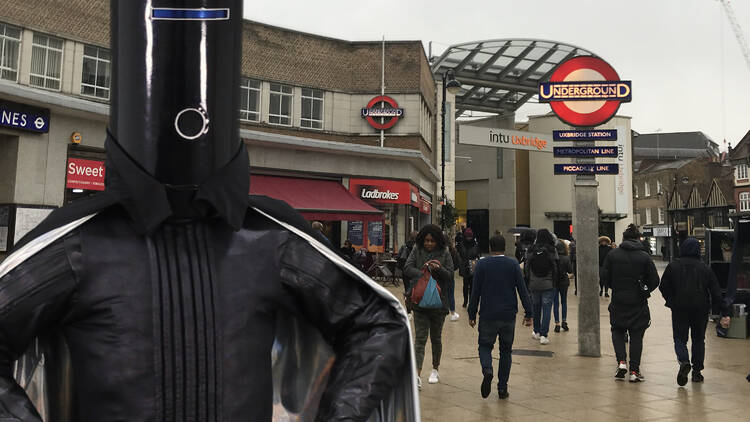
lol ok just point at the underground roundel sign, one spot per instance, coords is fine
(585, 91)
(382, 112)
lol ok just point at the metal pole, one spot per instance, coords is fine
(382, 88)
(442, 149)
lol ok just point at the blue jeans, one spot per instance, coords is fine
(504, 331)
(561, 298)
(543, 300)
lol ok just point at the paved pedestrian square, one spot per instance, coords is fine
(568, 387)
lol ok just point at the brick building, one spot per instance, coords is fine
(739, 157)
(301, 116)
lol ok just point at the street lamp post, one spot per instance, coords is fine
(450, 84)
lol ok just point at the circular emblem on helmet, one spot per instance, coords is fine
(191, 123)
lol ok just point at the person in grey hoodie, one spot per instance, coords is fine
(431, 253)
(540, 270)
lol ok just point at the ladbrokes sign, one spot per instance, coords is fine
(381, 191)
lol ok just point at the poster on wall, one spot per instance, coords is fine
(4, 222)
(375, 236)
(355, 233)
(27, 219)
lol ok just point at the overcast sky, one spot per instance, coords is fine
(672, 50)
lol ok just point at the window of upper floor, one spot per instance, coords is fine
(312, 108)
(46, 62)
(96, 73)
(658, 187)
(745, 201)
(10, 51)
(646, 189)
(740, 172)
(249, 100)
(280, 105)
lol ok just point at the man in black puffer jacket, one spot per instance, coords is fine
(689, 288)
(632, 276)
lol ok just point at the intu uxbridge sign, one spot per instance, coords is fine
(24, 117)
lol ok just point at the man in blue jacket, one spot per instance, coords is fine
(497, 279)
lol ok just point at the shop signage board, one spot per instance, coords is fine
(585, 151)
(382, 112)
(585, 135)
(504, 138)
(585, 91)
(24, 117)
(85, 174)
(586, 169)
(662, 231)
(382, 191)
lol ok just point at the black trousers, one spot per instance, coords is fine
(467, 288)
(636, 346)
(695, 322)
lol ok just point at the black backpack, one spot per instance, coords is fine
(540, 262)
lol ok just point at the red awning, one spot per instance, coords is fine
(324, 200)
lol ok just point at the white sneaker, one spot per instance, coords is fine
(535, 335)
(433, 377)
(454, 317)
(419, 383)
(543, 340)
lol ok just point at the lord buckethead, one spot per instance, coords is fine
(168, 292)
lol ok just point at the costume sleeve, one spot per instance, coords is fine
(369, 337)
(476, 292)
(666, 287)
(32, 299)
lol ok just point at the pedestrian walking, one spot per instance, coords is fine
(689, 288)
(560, 304)
(540, 272)
(451, 294)
(348, 250)
(469, 252)
(318, 228)
(498, 283)
(605, 246)
(403, 255)
(525, 241)
(632, 276)
(429, 253)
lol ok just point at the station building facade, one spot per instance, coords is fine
(304, 101)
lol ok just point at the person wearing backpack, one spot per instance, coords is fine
(469, 252)
(430, 266)
(560, 304)
(629, 271)
(540, 271)
(689, 288)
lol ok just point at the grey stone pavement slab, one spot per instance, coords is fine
(567, 387)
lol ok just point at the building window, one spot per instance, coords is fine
(637, 218)
(646, 189)
(661, 215)
(745, 201)
(658, 187)
(46, 61)
(96, 67)
(280, 105)
(312, 108)
(499, 163)
(742, 172)
(648, 216)
(249, 100)
(10, 49)
(636, 190)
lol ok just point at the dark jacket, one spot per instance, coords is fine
(497, 281)
(546, 282)
(565, 267)
(604, 250)
(467, 250)
(443, 275)
(690, 285)
(572, 248)
(622, 269)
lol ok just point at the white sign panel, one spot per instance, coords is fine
(662, 232)
(504, 138)
(622, 179)
(27, 219)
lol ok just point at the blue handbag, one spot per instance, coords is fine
(431, 297)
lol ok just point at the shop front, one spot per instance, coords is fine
(404, 206)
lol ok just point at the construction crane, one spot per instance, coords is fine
(737, 30)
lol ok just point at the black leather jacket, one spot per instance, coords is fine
(179, 325)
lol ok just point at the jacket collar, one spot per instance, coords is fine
(150, 202)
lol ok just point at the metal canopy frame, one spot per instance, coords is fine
(499, 76)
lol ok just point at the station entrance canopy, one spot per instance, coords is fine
(499, 76)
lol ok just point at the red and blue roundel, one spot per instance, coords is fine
(382, 112)
(585, 91)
